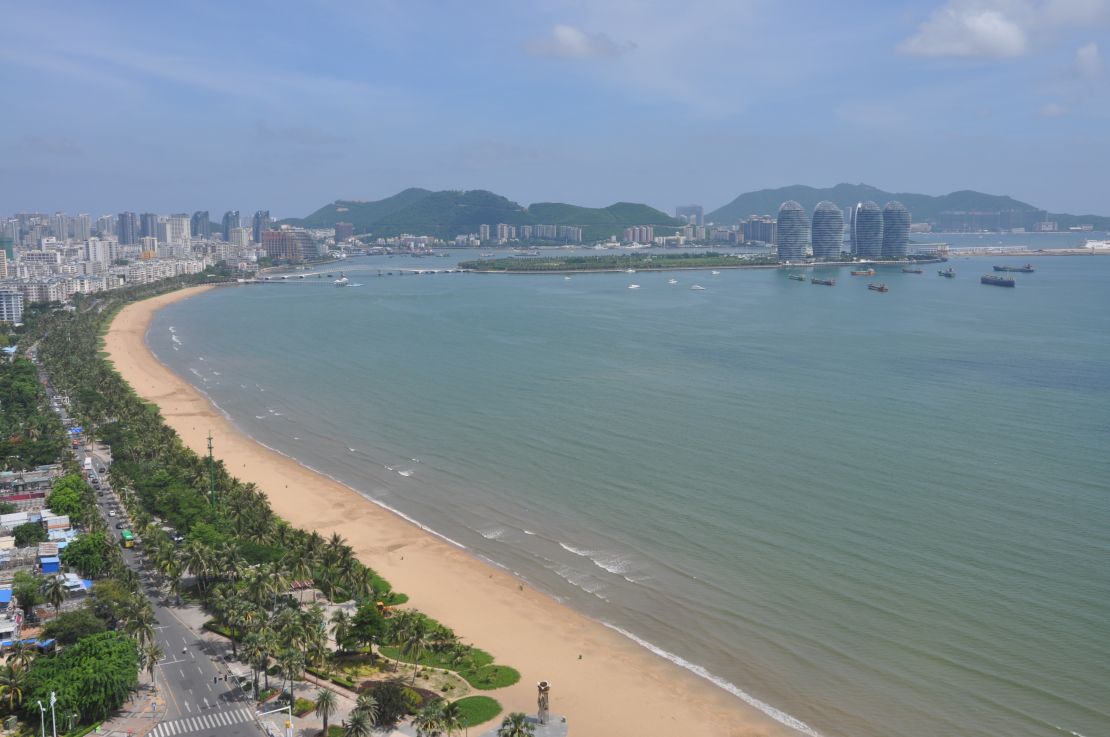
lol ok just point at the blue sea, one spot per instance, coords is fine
(871, 514)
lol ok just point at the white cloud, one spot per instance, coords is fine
(1052, 110)
(1001, 29)
(568, 42)
(970, 29)
(1088, 61)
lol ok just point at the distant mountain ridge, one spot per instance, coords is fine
(452, 212)
(923, 207)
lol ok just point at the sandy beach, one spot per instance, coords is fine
(614, 688)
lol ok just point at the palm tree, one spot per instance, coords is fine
(368, 705)
(326, 705)
(516, 725)
(254, 651)
(151, 655)
(54, 591)
(429, 722)
(451, 718)
(12, 677)
(22, 653)
(358, 725)
(340, 628)
(414, 642)
(198, 560)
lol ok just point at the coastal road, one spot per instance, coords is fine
(193, 687)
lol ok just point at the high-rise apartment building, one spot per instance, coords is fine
(344, 232)
(240, 237)
(200, 226)
(11, 306)
(176, 230)
(759, 229)
(230, 222)
(105, 225)
(569, 233)
(827, 233)
(793, 231)
(128, 230)
(148, 225)
(692, 214)
(639, 234)
(260, 224)
(59, 226)
(81, 225)
(483, 232)
(867, 230)
(98, 250)
(289, 244)
(896, 230)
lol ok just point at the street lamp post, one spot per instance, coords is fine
(42, 718)
(288, 723)
(53, 721)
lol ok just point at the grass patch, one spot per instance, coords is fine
(478, 709)
(336, 730)
(303, 706)
(477, 666)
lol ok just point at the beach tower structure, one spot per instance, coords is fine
(827, 231)
(867, 230)
(792, 232)
(543, 700)
(896, 230)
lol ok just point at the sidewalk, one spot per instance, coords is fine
(137, 717)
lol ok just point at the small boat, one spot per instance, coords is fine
(342, 281)
(864, 272)
(630, 271)
(715, 273)
(823, 282)
(1027, 269)
(912, 271)
(878, 287)
(997, 281)
(672, 281)
(697, 288)
(796, 277)
(948, 273)
(633, 286)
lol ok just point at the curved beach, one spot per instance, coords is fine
(604, 683)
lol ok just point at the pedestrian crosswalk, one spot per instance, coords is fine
(211, 720)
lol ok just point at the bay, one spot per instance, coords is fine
(879, 514)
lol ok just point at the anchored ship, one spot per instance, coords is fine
(997, 281)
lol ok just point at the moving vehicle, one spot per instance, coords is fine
(878, 287)
(864, 272)
(127, 539)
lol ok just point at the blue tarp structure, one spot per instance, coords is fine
(76, 430)
(50, 564)
(5, 596)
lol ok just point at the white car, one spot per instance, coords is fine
(111, 513)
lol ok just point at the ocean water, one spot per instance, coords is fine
(875, 515)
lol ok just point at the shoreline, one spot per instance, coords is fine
(601, 677)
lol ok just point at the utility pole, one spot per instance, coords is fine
(211, 472)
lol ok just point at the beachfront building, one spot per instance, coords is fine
(867, 230)
(896, 230)
(793, 228)
(827, 233)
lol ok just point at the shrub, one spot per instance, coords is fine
(303, 706)
(478, 709)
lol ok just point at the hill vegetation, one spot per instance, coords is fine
(924, 207)
(449, 213)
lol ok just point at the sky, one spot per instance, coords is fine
(179, 106)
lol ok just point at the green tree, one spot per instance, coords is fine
(429, 722)
(92, 678)
(368, 705)
(368, 628)
(13, 676)
(70, 627)
(69, 497)
(392, 704)
(89, 554)
(326, 704)
(516, 725)
(29, 533)
(151, 654)
(414, 641)
(25, 588)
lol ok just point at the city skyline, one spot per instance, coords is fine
(988, 95)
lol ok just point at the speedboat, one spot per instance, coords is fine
(633, 286)
(715, 273)
(698, 288)
(672, 281)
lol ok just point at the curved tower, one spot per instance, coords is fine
(827, 233)
(896, 230)
(792, 233)
(867, 230)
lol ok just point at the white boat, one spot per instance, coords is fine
(715, 273)
(698, 288)
(342, 281)
(672, 281)
(630, 271)
(566, 278)
(633, 286)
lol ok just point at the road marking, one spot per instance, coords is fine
(199, 670)
(187, 707)
(210, 721)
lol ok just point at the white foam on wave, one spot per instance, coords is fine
(778, 715)
(576, 551)
(614, 563)
(580, 580)
(495, 534)
(175, 339)
(406, 474)
(529, 532)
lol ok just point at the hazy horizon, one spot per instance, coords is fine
(164, 109)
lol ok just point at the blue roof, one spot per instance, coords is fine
(5, 596)
(10, 349)
(50, 559)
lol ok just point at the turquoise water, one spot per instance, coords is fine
(876, 514)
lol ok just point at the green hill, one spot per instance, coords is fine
(450, 213)
(923, 207)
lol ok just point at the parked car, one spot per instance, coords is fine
(111, 513)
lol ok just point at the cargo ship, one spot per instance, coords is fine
(912, 271)
(796, 277)
(997, 281)
(823, 282)
(864, 272)
(1027, 269)
(947, 273)
(878, 287)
